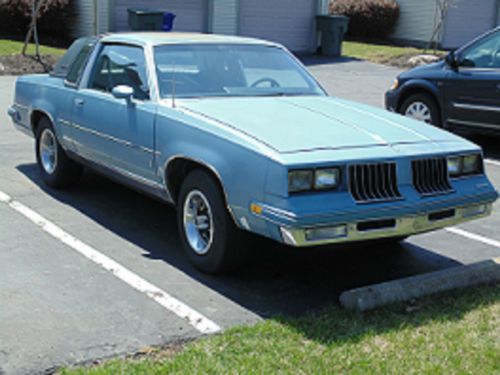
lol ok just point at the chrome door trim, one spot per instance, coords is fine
(108, 137)
(123, 172)
(475, 124)
(475, 107)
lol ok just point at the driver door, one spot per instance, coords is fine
(117, 133)
(472, 91)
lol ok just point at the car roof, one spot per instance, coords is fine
(162, 38)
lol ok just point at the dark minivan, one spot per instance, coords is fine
(460, 92)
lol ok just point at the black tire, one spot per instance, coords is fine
(66, 172)
(426, 99)
(225, 252)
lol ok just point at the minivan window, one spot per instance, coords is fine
(485, 53)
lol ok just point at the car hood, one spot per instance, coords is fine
(302, 123)
(429, 70)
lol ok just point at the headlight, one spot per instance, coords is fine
(395, 84)
(465, 165)
(300, 180)
(471, 164)
(327, 178)
(454, 166)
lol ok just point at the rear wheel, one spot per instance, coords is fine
(57, 169)
(208, 234)
(421, 107)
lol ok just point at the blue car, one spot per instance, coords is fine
(461, 92)
(239, 137)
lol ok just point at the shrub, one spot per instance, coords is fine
(54, 21)
(368, 18)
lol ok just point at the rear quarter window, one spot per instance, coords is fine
(71, 65)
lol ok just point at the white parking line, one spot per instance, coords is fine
(492, 162)
(194, 318)
(473, 236)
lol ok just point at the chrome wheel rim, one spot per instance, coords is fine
(48, 151)
(419, 111)
(198, 222)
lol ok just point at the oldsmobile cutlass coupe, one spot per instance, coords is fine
(240, 137)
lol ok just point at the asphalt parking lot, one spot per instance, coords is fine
(59, 306)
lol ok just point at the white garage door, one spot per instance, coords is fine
(289, 22)
(191, 15)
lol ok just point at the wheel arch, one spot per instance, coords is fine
(421, 87)
(179, 166)
(36, 115)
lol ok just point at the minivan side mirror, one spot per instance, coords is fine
(452, 60)
(122, 92)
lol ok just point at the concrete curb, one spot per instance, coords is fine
(372, 296)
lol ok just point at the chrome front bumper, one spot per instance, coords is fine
(383, 228)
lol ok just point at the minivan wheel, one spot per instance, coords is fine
(207, 231)
(421, 107)
(57, 169)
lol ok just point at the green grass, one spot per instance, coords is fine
(13, 47)
(455, 333)
(378, 53)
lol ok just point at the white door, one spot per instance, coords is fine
(289, 22)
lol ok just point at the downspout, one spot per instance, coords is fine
(96, 15)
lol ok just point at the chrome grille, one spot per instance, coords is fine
(374, 182)
(430, 176)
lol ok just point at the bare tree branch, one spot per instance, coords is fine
(33, 31)
(442, 8)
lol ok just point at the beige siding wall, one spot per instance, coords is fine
(289, 22)
(191, 15)
(86, 11)
(468, 19)
(416, 20)
(224, 17)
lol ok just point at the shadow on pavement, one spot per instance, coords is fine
(278, 280)
(311, 60)
(489, 143)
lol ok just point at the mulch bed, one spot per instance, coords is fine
(18, 64)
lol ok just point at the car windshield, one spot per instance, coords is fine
(209, 70)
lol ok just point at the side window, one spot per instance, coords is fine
(76, 68)
(71, 65)
(121, 65)
(483, 54)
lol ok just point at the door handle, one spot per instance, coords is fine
(79, 102)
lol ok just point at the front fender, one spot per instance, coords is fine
(241, 170)
(420, 85)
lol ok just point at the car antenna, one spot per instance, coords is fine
(173, 85)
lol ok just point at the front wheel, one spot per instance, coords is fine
(421, 107)
(57, 169)
(208, 234)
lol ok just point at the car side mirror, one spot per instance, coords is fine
(452, 60)
(123, 92)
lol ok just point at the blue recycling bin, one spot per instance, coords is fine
(168, 21)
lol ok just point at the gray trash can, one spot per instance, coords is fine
(332, 30)
(145, 19)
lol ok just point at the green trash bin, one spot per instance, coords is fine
(145, 19)
(333, 29)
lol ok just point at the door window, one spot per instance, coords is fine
(483, 54)
(121, 65)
